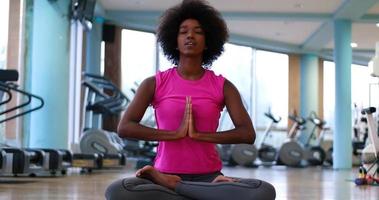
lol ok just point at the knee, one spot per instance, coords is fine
(122, 188)
(137, 189)
(259, 189)
(113, 190)
(267, 191)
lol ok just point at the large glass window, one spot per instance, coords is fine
(138, 61)
(239, 72)
(4, 20)
(364, 89)
(360, 80)
(329, 92)
(163, 62)
(271, 87)
(138, 58)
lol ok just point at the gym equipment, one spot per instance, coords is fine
(244, 154)
(266, 152)
(235, 154)
(370, 159)
(291, 151)
(359, 138)
(101, 97)
(87, 162)
(314, 154)
(27, 161)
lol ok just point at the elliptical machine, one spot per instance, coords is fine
(266, 152)
(94, 140)
(291, 152)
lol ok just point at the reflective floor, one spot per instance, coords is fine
(290, 183)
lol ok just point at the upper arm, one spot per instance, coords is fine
(235, 107)
(142, 99)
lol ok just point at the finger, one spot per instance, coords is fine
(138, 173)
(186, 109)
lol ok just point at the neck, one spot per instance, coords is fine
(190, 68)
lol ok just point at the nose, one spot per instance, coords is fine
(190, 34)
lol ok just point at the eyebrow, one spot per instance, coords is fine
(185, 26)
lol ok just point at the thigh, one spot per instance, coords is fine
(139, 189)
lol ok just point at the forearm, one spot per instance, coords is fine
(233, 136)
(141, 132)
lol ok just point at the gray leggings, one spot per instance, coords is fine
(197, 187)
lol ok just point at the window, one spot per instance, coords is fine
(329, 92)
(360, 81)
(364, 90)
(271, 90)
(4, 16)
(138, 58)
(138, 61)
(163, 62)
(238, 71)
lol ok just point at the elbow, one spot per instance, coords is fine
(122, 130)
(250, 136)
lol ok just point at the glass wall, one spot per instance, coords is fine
(271, 87)
(329, 93)
(239, 72)
(4, 20)
(364, 89)
(138, 58)
(261, 77)
(138, 61)
(163, 62)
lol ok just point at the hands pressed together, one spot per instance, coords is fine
(187, 127)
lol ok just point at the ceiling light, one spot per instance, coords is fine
(377, 24)
(353, 44)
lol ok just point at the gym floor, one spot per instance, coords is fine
(290, 183)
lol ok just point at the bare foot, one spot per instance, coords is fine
(222, 178)
(166, 180)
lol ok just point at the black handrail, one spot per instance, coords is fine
(9, 95)
(112, 103)
(13, 87)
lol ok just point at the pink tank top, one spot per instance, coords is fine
(187, 156)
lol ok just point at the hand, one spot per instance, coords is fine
(182, 131)
(192, 133)
(222, 178)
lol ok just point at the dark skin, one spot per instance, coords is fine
(191, 45)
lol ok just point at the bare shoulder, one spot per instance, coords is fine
(149, 81)
(229, 88)
(148, 84)
(146, 90)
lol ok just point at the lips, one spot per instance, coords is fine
(190, 43)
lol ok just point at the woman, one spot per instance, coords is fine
(188, 99)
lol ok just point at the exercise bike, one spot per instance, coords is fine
(236, 154)
(370, 154)
(291, 152)
(314, 154)
(266, 152)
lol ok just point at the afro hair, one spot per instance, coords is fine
(213, 25)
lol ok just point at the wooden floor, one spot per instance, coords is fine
(290, 183)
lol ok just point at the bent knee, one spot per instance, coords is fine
(268, 190)
(260, 189)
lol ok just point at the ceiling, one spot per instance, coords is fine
(287, 26)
